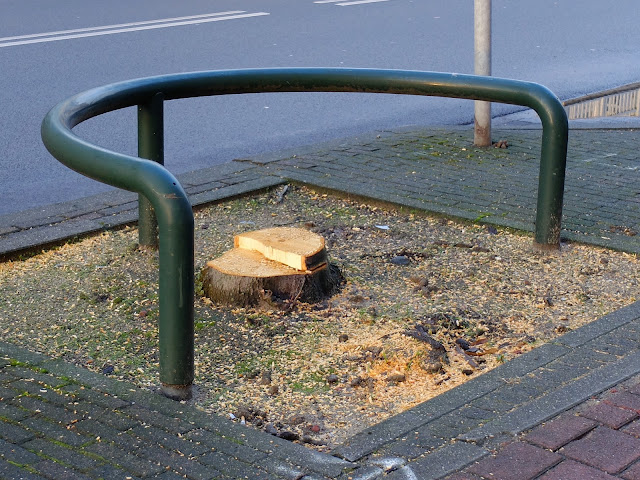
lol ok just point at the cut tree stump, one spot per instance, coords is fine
(271, 268)
(295, 247)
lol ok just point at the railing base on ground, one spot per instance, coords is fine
(170, 203)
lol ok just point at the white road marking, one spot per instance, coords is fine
(360, 2)
(125, 27)
(107, 27)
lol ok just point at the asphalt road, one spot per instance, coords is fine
(571, 47)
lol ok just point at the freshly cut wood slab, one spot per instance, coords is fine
(245, 278)
(250, 263)
(295, 247)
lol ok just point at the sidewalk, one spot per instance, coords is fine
(435, 170)
(60, 421)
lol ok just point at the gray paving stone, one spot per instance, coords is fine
(124, 207)
(55, 431)
(375, 437)
(5, 230)
(61, 454)
(117, 420)
(9, 350)
(584, 359)
(185, 465)
(451, 425)
(110, 472)
(137, 465)
(524, 364)
(442, 462)
(102, 432)
(95, 397)
(51, 469)
(156, 419)
(552, 375)
(17, 454)
(236, 190)
(83, 376)
(507, 397)
(13, 472)
(7, 393)
(13, 413)
(204, 187)
(39, 390)
(281, 469)
(232, 467)
(364, 473)
(601, 326)
(45, 409)
(37, 375)
(171, 441)
(557, 401)
(413, 444)
(124, 217)
(15, 433)
(91, 410)
(322, 463)
(24, 222)
(210, 174)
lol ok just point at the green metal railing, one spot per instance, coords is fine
(159, 189)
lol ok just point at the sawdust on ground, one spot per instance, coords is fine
(428, 303)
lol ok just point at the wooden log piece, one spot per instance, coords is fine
(246, 278)
(295, 247)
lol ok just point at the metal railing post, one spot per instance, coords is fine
(171, 204)
(553, 161)
(176, 293)
(151, 147)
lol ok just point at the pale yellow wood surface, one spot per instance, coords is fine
(295, 247)
(250, 263)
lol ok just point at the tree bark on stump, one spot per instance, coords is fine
(245, 277)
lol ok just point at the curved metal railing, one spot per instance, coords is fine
(172, 208)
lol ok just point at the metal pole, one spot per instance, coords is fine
(176, 293)
(172, 206)
(482, 66)
(151, 147)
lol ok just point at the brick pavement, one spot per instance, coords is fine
(599, 439)
(542, 415)
(435, 170)
(59, 421)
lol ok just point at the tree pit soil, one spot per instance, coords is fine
(427, 303)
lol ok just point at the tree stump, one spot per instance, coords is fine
(271, 268)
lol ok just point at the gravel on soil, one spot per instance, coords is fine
(427, 303)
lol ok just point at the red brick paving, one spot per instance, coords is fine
(624, 400)
(559, 432)
(517, 461)
(598, 441)
(632, 473)
(609, 415)
(633, 429)
(635, 389)
(463, 476)
(570, 470)
(604, 448)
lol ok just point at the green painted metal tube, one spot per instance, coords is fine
(151, 147)
(173, 210)
(175, 220)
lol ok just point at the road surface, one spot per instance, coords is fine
(52, 50)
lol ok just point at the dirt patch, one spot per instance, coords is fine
(427, 304)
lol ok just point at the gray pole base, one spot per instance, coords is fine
(176, 392)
